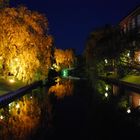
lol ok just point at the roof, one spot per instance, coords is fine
(131, 14)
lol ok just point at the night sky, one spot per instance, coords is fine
(71, 21)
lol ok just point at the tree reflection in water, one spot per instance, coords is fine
(26, 117)
(62, 88)
(21, 119)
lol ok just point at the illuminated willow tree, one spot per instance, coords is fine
(25, 47)
(64, 58)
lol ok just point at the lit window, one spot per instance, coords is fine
(139, 102)
(138, 20)
(137, 56)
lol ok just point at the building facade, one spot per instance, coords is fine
(130, 30)
(131, 22)
(119, 44)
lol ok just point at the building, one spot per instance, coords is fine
(131, 22)
(130, 31)
(119, 45)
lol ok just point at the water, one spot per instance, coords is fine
(69, 109)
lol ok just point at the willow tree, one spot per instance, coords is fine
(64, 58)
(25, 46)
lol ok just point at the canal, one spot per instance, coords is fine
(68, 109)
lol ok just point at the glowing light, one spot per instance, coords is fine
(58, 80)
(1, 117)
(128, 54)
(65, 73)
(139, 102)
(106, 88)
(10, 104)
(128, 110)
(31, 97)
(52, 68)
(106, 94)
(17, 106)
(11, 80)
(139, 58)
(0, 57)
(16, 59)
(56, 66)
(106, 61)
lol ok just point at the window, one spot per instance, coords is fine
(138, 20)
(133, 23)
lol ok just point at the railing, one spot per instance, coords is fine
(11, 96)
(123, 84)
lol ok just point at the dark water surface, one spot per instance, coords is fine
(70, 109)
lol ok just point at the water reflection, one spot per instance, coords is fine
(124, 101)
(62, 88)
(135, 99)
(25, 117)
(103, 89)
(21, 118)
(130, 99)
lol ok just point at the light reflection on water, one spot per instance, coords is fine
(62, 88)
(125, 101)
(22, 118)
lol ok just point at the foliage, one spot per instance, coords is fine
(25, 47)
(62, 89)
(100, 68)
(91, 50)
(123, 61)
(137, 57)
(123, 103)
(21, 119)
(64, 58)
(103, 89)
(100, 86)
(124, 57)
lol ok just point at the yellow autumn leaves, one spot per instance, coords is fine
(25, 46)
(64, 58)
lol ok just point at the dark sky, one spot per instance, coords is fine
(71, 21)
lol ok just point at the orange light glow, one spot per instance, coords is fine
(11, 80)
